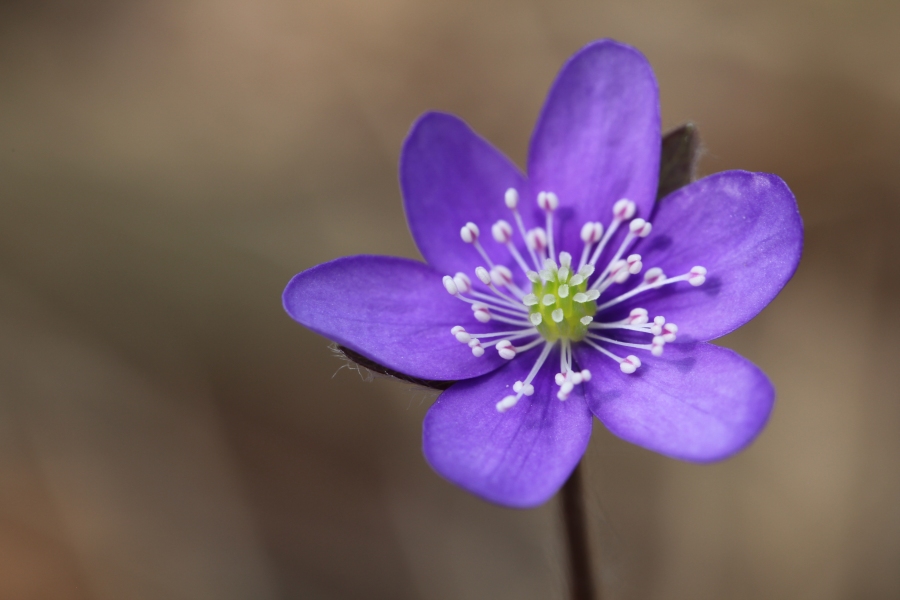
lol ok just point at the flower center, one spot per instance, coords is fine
(563, 302)
(560, 304)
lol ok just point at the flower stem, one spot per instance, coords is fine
(581, 580)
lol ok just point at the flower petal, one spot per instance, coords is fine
(519, 458)
(598, 137)
(745, 229)
(394, 311)
(450, 176)
(696, 402)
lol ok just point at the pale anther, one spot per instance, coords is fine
(483, 275)
(502, 232)
(591, 232)
(624, 209)
(535, 318)
(501, 275)
(565, 259)
(450, 286)
(640, 227)
(557, 315)
(630, 364)
(634, 264)
(507, 403)
(530, 300)
(586, 320)
(536, 239)
(527, 390)
(511, 198)
(549, 300)
(506, 349)
(482, 313)
(463, 283)
(654, 276)
(469, 233)
(563, 291)
(697, 276)
(547, 201)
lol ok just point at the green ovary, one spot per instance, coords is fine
(570, 327)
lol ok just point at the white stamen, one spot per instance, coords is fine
(586, 320)
(669, 331)
(627, 365)
(654, 277)
(510, 401)
(507, 403)
(537, 241)
(565, 259)
(536, 319)
(557, 315)
(450, 286)
(520, 386)
(501, 275)
(563, 291)
(511, 198)
(549, 300)
(640, 227)
(530, 300)
(638, 316)
(482, 313)
(591, 233)
(502, 232)
(463, 283)
(548, 201)
(697, 276)
(634, 264)
(624, 209)
(506, 349)
(630, 364)
(483, 275)
(469, 233)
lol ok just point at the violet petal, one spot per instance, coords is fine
(598, 137)
(392, 310)
(744, 228)
(519, 458)
(698, 402)
(450, 176)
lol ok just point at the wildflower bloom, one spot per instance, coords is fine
(568, 293)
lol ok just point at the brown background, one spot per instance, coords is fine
(167, 432)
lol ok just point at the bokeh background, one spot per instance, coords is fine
(167, 432)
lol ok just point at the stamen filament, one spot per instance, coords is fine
(524, 234)
(493, 304)
(642, 288)
(495, 334)
(625, 243)
(502, 300)
(601, 338)
(613, 227)
(515, 253)
(510, 401)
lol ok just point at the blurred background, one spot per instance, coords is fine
(166, 431)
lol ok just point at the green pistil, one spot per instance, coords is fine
(549, 299)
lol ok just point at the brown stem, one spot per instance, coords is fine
(581, 580)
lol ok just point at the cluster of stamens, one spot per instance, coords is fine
(562, 303)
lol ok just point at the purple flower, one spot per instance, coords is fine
(563, 299)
